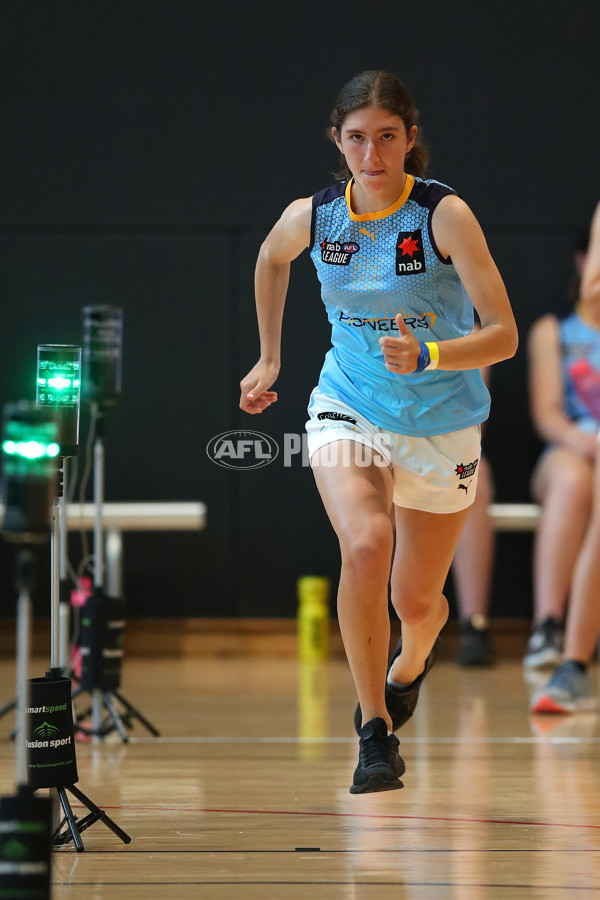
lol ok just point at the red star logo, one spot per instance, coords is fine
(408, 246)
(324, 244)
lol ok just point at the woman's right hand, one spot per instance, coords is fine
(256, 395)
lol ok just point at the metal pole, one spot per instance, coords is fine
(64, 609)
(54, 588)
(22, 693)
(98, 502)
(98, 554)
(63, 524)
(114, 562)
(97, 714)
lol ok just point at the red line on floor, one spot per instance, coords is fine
(345, 815)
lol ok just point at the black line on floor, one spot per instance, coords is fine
(409, 851)
(452, 884)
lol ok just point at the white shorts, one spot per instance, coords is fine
(435, 474)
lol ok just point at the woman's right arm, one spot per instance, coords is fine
(284, 243)
(546, 391)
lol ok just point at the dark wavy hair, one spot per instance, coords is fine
(375, 87)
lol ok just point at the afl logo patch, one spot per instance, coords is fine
(337, 254)
(242, 450)
(410, 255)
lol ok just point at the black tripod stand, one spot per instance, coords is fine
(76, 826)
(54, 693)
(103, 629)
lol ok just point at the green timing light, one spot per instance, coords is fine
(58, 375)
(28, 444)
(58, 387)
(59, 382)
(30, 449)
(29, 460)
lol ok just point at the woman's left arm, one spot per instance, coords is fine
(458, 235)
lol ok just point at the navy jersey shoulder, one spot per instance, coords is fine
(327, 195)
(428, 194)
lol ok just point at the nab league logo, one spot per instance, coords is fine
(338, 254)
(466, 470)
(410, 255)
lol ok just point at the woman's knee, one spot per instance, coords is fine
(564, 477)
(573, 490)
(418, 608)
(367, 552)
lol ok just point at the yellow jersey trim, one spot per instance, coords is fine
(382, 213)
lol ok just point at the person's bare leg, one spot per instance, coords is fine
(474, 556)
(358, 501)
(562, 484)
(425, 545)
(583, 619)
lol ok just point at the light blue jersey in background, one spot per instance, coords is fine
(578, 341)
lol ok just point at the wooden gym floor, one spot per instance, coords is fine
(245, 794)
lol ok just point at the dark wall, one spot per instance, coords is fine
(146, 149)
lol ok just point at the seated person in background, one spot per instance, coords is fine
(472, 573)
(565, 397)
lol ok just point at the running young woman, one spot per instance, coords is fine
(402, 262)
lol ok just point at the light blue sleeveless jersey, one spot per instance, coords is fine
(372, 267)
(578, 341)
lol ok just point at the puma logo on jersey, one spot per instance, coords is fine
(368, 233)
(464, 487)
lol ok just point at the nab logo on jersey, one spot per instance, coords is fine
(410, 255)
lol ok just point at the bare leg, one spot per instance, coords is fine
(473, 560)
(583, 620)
(358, 502)
(425, 545)
(562, 483)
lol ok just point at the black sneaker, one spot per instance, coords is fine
(544, 647)
(475, 647)
(401, 702)
(379, 763)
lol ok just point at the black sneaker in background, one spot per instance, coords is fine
(475, 648)
(544, 647)
(379, 762)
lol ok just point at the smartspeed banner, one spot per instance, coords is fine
(50, 735)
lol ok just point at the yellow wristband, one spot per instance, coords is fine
(434, 355)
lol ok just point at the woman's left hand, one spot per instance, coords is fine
(401, 354)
